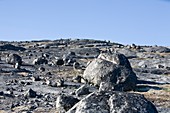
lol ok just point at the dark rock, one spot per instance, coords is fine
(76, 66)
(40, 60)
(1, 92)
(159, 66)
(168, 68)
(83, 90)
(104, 71)
(65, 102)
(113, 102)
(36, 78)
(14, 59)
(77, 79)
(59, 61)
(30, 93)
(42, 69)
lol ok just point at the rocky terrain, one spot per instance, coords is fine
(83, 76)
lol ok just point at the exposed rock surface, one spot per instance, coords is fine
(114, 102)
(35, 87)
(116, 58)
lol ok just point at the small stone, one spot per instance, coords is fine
(57, 83)
(159, 66)
(65, 102)
(30, 93)
(83, 90)
(36, 78)
(42, 69)
(77, 79)
(1, 92)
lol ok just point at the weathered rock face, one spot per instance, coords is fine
(116, 58)
(100, 70)
(13, 59)
(113, 102)
(130, 103)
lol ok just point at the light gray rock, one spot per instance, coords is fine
(55, 82)
(100, 70)
(106, 86)
(130, 103)
(116, 58)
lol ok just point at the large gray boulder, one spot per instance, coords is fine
(116, 58)
(121, 77)
(113, 102)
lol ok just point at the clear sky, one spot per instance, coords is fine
(124, 21)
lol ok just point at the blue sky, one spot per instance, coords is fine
(145, 22)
